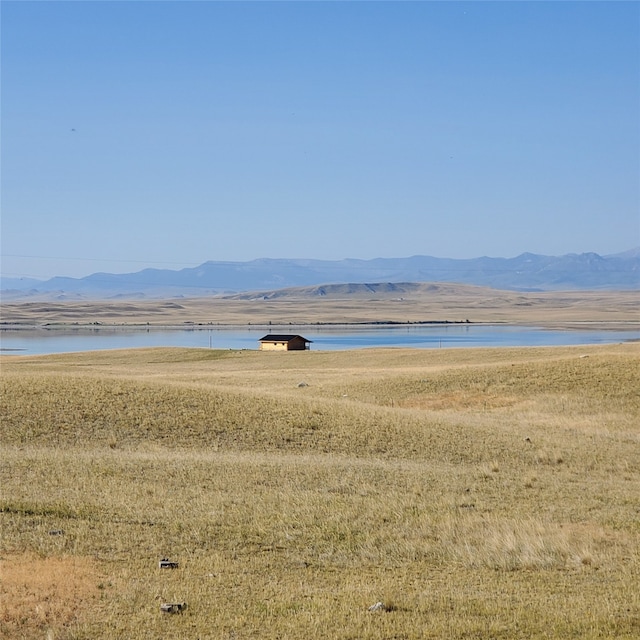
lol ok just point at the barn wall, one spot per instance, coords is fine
(273, 346)
(297, 344)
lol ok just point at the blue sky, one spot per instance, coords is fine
(166, 134)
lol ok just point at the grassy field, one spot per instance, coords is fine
(424, 302)
(476, 493)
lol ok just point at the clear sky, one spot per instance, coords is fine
(166, 134)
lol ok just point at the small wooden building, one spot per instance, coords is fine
(276, 342)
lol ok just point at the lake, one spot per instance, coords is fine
(42, 341)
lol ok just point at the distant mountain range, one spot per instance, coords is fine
(526, 272)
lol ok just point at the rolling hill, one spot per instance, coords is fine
(526, 272)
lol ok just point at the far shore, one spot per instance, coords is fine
(95, 327)
(602, 310)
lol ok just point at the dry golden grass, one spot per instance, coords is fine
(45, 593)
(489, 493)
(429, 303)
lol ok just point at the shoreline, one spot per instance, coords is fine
(95, 327)
(592, 310)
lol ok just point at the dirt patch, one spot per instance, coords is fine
(459, 401)
(41, 596)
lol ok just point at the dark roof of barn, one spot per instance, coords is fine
(275, 337)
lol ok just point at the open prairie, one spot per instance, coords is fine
(481, 493)
(409, 302)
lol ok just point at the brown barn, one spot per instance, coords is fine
(274, 342)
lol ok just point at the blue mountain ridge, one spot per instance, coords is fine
(527, 271)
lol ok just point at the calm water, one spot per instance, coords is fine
(34, 342)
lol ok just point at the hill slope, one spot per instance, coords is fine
(528, 271)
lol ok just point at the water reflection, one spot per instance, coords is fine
(323, 338)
